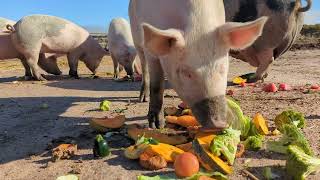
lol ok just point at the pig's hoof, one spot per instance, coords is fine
(28, 78)
(153, 119)
(143, 98)
(74, 74)
(41, 78)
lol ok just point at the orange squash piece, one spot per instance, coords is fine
(184, 121)
(103, 124)
(206, 158)
(135, 132)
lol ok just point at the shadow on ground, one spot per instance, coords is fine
(28, 128)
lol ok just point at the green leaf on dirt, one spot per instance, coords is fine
(44, 106)
(119, 110)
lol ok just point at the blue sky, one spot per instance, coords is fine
(95, 14)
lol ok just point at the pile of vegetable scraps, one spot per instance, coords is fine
(197, 155)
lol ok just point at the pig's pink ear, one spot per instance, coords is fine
(242, 35)
(161, 42)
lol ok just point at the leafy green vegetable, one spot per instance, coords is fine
(299, 164)
(144, 140)
(236, 118)
(254, 143)
(289, 117)
(291, 136)
(101, 148)
(105, 105)
(226, 144)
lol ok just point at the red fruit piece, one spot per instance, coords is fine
(284, 87)
(315, 86)
(270, 88)
(243, 84)
(230, 92)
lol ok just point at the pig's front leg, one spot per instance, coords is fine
(156, 93)
(73, 62)
(145, 90)
(265, 59)
(116, 67)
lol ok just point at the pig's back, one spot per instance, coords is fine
(119, 33)
(56, 34)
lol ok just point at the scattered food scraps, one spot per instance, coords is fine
(64, 151)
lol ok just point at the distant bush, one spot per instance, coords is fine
(311, 30)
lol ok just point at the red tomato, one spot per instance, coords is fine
(186, 165)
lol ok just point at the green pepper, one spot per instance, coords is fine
(101, 148)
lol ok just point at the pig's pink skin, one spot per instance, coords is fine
(8, 51)
(36, 34)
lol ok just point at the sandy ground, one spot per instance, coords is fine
(28, 130)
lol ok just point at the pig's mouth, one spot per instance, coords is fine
(211, 113)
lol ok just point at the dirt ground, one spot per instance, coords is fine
(35, 116)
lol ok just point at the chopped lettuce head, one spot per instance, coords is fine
(236, 118)
(226, 144)
(291, 136)
(289, 117)
(254, 143)
(300, 165)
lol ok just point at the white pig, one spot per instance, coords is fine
(121, 46)
(188, 42)
(36, 34)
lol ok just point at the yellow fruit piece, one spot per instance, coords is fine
(261, 124)
(239, 80)
(167, 151)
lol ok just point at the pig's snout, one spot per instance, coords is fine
(211, 112)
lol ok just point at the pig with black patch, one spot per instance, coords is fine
(280, 32)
